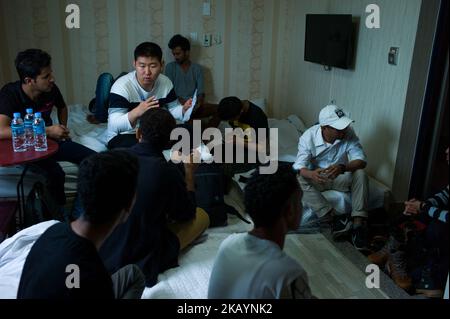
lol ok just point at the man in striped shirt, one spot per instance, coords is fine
(433, 212)
(431, 247)
(435, 207)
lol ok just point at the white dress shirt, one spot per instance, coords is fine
(314, 152)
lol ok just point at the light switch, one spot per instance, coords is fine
(206, 8)
(393, 56)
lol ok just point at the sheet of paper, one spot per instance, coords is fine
(194, 101)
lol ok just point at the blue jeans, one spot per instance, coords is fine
(104, 83)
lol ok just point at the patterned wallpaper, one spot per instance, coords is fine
(261, 55)
(111, 29)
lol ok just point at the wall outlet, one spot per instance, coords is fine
(207, 40)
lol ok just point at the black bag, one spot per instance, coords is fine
(209, 194)
(40, 206)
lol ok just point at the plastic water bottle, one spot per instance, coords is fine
(29, 134)
(40, 138)
(18, 133)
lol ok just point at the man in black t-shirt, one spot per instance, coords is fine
(37, 90)
(244, 115)
(165, 218)
(64, 262)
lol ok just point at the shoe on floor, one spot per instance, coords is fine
(340, 226)
(326, 220)
(359, 235)
(380, 257)
(396, 267)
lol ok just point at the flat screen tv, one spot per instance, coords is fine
(329, 40)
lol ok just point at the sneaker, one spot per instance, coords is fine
(380, 257)
(427, 285)
(341, 225)
(325, 221)
(396, 267)
(359, 236)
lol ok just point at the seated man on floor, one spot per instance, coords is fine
(107, 188)
(137, 92)
(253, 265)
(36, 89)
(244, 115)
(187, 78)
(330, 157)
(430, 274)
(165, 218)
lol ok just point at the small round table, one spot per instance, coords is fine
(10, 158)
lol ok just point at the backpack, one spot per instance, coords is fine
(209, 194)
(40, 206)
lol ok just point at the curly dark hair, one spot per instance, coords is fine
(156, 125)
(266, 196)
(29, 63)
(179, 41)
(229, 108)
(148, 50)
(107, 185)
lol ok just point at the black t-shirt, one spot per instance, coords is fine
(13, 99)
(254, 118)
(44, 274)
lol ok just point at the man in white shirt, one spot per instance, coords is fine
(138, 91)
(253, 265)
(330, 156)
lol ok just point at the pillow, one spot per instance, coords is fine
(297, 122)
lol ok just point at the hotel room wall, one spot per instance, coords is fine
(261, 55)
(110, 30)
(374, 92)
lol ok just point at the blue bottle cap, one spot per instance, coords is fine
(16, 115)
(38, 114)
(29, 111)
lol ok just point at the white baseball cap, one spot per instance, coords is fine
(333, 116)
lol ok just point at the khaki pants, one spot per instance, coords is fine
(187, 232)
(357, 183)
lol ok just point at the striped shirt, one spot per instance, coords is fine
(437, 206)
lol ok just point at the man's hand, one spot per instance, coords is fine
(146, 105)
(58, 132)
(318, 176)
(187, 105)
(412, 207)
(191, 164)
(334, 171)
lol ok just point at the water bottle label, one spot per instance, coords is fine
(18, 131)
(39, 130)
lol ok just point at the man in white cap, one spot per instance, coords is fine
(330, 156)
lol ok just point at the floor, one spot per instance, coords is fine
(336, 270)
